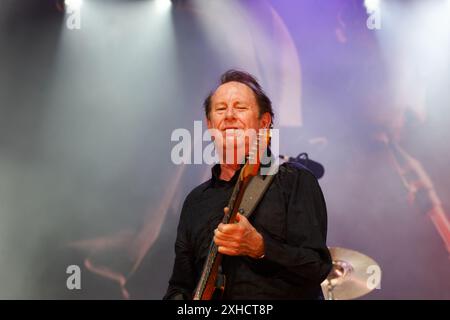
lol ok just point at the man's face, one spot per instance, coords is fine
(234, 112)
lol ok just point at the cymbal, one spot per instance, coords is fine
(353, 275)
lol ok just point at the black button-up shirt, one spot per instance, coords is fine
(292, 219)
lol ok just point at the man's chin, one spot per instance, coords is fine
(235, 153)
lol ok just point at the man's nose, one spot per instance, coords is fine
(229, 114)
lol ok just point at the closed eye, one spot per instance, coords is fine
(241, 106)
(220, 107)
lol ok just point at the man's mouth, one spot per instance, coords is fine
(233, 132)
(231, 129)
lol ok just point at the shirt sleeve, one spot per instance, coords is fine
(182, 281)
(303, 258)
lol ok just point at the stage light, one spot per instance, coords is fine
(163, 5)
(73, 4)
(372, 5)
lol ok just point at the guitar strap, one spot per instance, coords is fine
(254, 192)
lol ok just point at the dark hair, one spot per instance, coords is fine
(264, 103)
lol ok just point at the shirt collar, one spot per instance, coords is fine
(215, 176)
(215, 172)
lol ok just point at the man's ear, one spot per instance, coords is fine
(265, 120)
(208, 123)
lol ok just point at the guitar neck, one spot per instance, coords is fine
(214, 258)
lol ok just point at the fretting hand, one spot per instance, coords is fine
(239, 239)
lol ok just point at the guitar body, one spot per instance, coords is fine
(211, 290)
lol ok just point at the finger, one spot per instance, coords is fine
(226, 210)
(229, 228)
(241, 218)
(226, 236)
(227, 251)
(243, 221)
(226, 244)
(223, 227)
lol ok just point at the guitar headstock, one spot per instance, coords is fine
(257, 150)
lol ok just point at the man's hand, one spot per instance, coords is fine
(239, 239)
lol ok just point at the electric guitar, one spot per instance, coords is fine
(206, 286)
